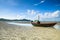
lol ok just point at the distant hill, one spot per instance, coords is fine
(21, 20)
(2, 19)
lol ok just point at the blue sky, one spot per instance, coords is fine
(48, 10)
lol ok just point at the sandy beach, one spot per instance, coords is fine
(15, 32)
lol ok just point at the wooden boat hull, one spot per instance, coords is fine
(44, 24)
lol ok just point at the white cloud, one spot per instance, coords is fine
(47, 15)
(39, 2)
(56, 13)
(43, 16)
(28, 11)
(31, 12)
(50, 15)
(42, 1)
(20, 17)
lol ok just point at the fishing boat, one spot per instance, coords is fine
(43, 24)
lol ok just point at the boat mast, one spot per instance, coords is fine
(38, 17)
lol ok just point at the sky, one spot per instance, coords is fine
(48, 10)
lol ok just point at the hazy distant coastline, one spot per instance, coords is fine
(2, 19)
(23, 20)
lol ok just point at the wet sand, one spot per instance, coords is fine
(15, 32)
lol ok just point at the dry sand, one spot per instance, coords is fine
(14, 32)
